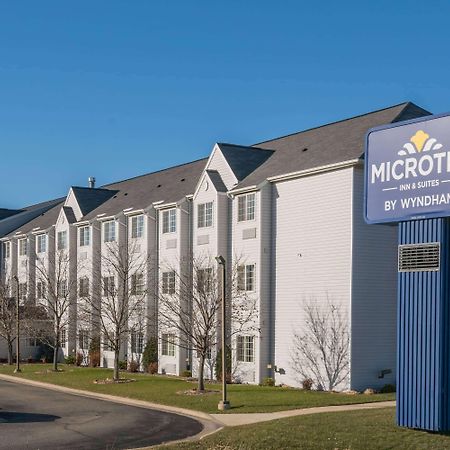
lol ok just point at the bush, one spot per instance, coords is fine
(79, 359)
(152, 368)
(94, 352)
(268, 381)
(186, 374)
(307, 384)
(122, 364)
(69, 359)
(45, 353)
(150, 355)
(219, 364)
(133, 366)
(387, 389)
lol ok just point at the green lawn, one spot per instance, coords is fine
(355, 430)
(164, 390)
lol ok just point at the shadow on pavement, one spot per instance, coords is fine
(19, 417)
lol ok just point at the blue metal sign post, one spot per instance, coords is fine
(408, 181)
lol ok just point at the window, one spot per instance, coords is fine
(83, 339)
(168, 345)
(33, 342)
(204, 281)
(137, 342)
(40, 289)
(83, 290)
(137, 226)
(85, 236)
(62, 240)
(246, 207)
(109, 231)
(23, 247)
(205, 215)
(246, 277)
(137, 284)
(63, 336)
(62, 289)
(109, 286)
(42, 243)
(168, 282)
(7, 249)
(23, 291)
(169, 221)
(245, 348)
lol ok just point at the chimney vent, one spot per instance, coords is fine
(91, 181)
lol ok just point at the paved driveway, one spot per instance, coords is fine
(36, 418)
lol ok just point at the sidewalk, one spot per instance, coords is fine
(211, 422)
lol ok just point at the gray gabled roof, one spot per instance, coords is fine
(90, 198)
(4, 212)
(168, 185)
(328, 144)
(243, 160)
(68, 211)
(216, 180)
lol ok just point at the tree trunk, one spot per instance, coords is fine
(55, 358)
(10, 352)
(116, 365)
(201, 371)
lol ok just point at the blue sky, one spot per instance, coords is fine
(119, 88)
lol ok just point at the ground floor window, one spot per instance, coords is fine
(245, 348)
(168, 345)
(63, 337)
(83, 339)
(137, 342)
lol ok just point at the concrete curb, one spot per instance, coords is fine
(210, 424)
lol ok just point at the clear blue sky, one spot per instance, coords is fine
(119, 88)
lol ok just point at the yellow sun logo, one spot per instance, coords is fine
(421, 141)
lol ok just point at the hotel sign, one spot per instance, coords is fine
(407, 169)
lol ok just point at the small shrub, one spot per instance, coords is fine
(186, 374)
(150, 355)
(307, 384)
(133, 366)
(79, 359)
(268, 381)
(94, 352)
(69, 359)
(152, 368)
(122, 365)
(387, 389)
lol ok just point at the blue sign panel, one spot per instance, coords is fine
(408, 170)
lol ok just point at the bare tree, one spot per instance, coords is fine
(54, 285)
(321, 350)
(189, 305)
(7, 316)
(120, 309)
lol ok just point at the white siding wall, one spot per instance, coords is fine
(312, 233)
(219, 163)
(374, 296)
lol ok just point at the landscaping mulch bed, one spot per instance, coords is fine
(111, 381)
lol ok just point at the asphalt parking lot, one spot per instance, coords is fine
(37, 418)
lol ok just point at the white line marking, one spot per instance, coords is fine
(445, 181)
(392, 189)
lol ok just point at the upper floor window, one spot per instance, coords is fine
(169, 221)
(205, 279)
(205, 215)
(137, 226)
(109, 286)
(41, 246)
(168, 282)
(62, 240)
(137, 283)
(246, 207)
(23, 247)
(7, 249)
(245, 348)
(23, 291)
(109, 231)
(83, 287)
(61, 289)
(40, 289)
(85, 236)
(168, 344)
(246, 277)
(137, 342)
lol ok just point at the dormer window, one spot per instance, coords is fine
(41, 244)
(246, 207)
(169, 221)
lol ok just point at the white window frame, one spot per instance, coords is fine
(247, 277)
(168, 282)
(137, 226)
(169, 221)
(137, 284)
(137, 342)
(7, 249)
(40, 289)
(205, 215)
(245, 349)
(83, 287)
(61, 239)
(246, 207)
(41, 243)
(84, 236)
(168, 344)
(23, 247)
(109, 231)
(109, 286)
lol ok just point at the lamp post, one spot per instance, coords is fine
(17, 369)
(224, 403)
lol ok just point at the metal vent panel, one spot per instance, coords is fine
(419, 257)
